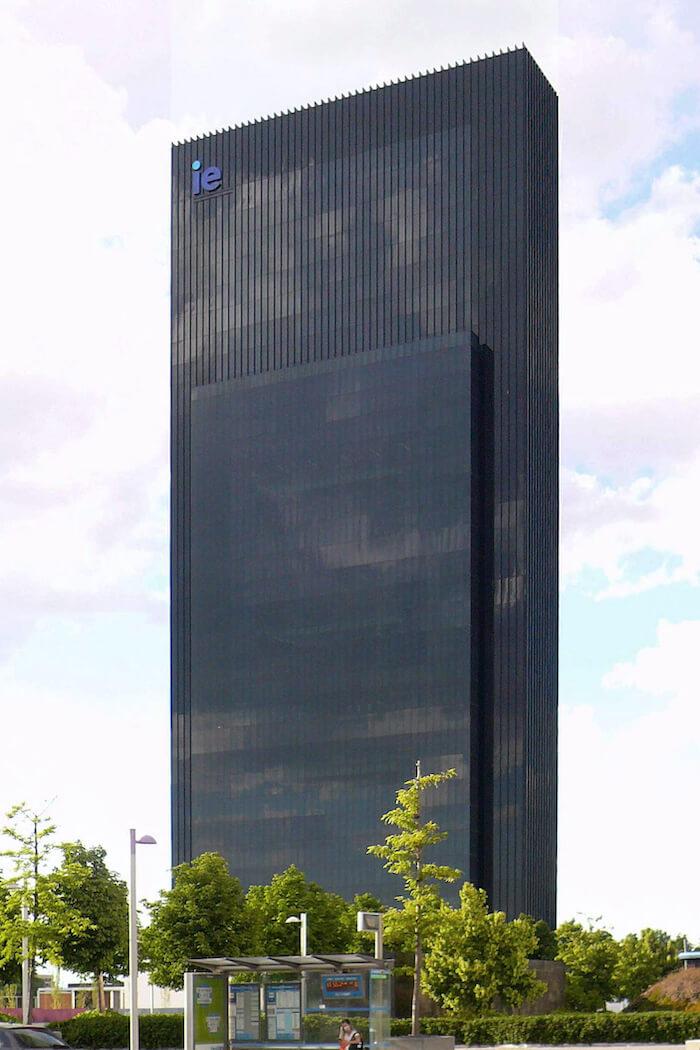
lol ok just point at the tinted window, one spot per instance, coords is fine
(331, 551)
(34, 1037)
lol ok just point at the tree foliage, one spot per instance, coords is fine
(203, 915)
(403, 854)
(546, 946)
(590, 956)
(102, 948)
(643, 959)
(330, 928)
(32, 884)
(10, 964)
(477, 957)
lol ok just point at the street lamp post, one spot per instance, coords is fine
(145, 840)
(303, 932)
(302, 919)
(372, 922)
(26, 990)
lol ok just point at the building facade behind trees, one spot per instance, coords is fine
(364, 481)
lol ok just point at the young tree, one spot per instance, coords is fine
(477, 957)
(202, 916)
(590, 956)
(403, 854)
(643, 959)
(32, 884)
(289, 893)
(101, 898)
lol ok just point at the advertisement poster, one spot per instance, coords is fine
(244, 1013)
(206, 1011)
(283, 1012)
(343, 986)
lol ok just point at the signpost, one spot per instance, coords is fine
(206, 1011)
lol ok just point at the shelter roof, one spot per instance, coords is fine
(290, 963)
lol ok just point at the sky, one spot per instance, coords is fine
(93, 95)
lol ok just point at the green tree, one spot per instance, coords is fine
(10, 967)
(32, 884)
(546, 946)
(590, 956)
(477, 957)
(202, 916)
(102, 949)
(403, 854)
(643, 959)
(290, 892)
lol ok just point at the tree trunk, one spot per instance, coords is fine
(100, 992)
(417, 968)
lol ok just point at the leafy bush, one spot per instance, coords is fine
(110, 1031)
(6, 1017)
(161, 1030)
(323, 1027)
(401, 1026)
(94, 1029)
(552, 1029)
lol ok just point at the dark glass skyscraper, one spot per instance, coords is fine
(364, 472)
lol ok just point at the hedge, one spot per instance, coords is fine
(110, 1031)
(554, 1029)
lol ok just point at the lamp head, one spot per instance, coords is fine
(293, 918)
(146, 840)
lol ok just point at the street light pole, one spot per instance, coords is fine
(303, 934)
(145, 840)
(301, 918)
(26, 990)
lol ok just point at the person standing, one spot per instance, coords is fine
(348, 1036)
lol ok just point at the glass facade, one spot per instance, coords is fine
(330, 606)
(364, 511)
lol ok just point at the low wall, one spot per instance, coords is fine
(43, 1013)
(421, 1042)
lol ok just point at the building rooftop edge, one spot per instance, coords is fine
(359, 91)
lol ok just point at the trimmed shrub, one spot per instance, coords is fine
(401, 1026)
(323, 1027)
(161, 1030)
(95, 1029)
(110, 1031)
(552, 1029)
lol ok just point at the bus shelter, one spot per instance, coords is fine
(286, 1001)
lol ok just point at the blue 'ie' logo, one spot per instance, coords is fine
(207, 180)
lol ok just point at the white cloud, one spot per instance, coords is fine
(84, 366)
(629, 850)
(98, 763)
(621, 530)
(630, 381)
(629, 291)
(622, 68)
